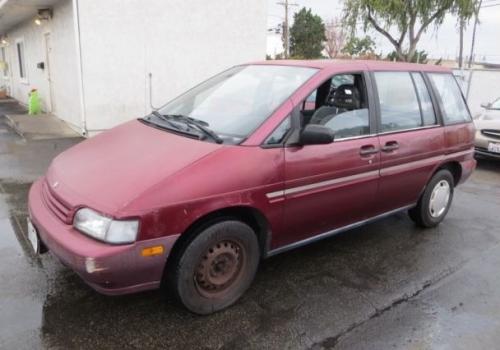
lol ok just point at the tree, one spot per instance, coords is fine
(307, 35)
(477, 7)
(409, 19)
(335, 38)
(418, 57)
(359, 47)
(461, 43)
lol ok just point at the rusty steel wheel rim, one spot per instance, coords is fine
(219, 268)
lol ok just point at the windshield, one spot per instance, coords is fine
(495, 104)
(235, 102)
(490, 112)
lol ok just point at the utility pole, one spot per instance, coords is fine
(461, 45)
(286, 42)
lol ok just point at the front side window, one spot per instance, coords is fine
(237, 101)
(451, 101)
(340, 104)
(279, 134)
(399, 107)
(20, 59)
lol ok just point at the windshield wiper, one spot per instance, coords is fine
(165, 119)
(199, 124)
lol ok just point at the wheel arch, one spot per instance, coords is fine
(454, 168)
(247, 214)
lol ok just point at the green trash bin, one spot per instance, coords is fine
(34, 107)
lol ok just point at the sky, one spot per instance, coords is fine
(440, 43)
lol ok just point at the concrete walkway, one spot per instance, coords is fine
(25, 160)
(40, 127)
(7, 100)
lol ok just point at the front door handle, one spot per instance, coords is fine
(390, 146)
(367, 150)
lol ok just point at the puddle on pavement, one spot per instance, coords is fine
(13, 214)
(23, 283)
(8, 239)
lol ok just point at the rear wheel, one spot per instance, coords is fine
(435, 202)
(216, 267)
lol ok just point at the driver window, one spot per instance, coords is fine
(340, 104)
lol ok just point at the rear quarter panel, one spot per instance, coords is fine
(459, 147)
(459, 137)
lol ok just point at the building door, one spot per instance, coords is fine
(48, 61)
(5, 70)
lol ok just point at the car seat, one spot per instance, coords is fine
(345, 98)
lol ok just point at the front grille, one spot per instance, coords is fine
(491, 133)
(60, 209)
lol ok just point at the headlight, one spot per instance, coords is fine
(104, 228)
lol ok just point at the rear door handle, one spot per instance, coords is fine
(367, 150)
(390, 146)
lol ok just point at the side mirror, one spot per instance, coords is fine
(486, 105)
(316, 135)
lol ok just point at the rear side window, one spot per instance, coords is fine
(428, 115)
(399, 107)
(451, 101)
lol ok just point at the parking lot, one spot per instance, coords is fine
(385, 285)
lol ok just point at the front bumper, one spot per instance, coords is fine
(481, 142)
(109, 269)
(483, 152)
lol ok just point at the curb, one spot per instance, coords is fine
(7, 100)
(14, 125)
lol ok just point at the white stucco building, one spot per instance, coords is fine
(108, 61)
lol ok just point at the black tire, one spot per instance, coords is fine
(422, 214)
(216, 267)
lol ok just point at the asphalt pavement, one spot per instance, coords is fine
(387, 285)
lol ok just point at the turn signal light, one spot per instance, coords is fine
(152, 251)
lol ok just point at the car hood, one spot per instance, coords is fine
(487, 122)
(113, 168)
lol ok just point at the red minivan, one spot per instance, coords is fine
(244, 166)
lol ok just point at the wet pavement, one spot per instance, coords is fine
(387, 285)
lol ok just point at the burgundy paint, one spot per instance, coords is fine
(169, 181)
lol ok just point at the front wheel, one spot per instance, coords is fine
(216, 267)
(435, 202)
